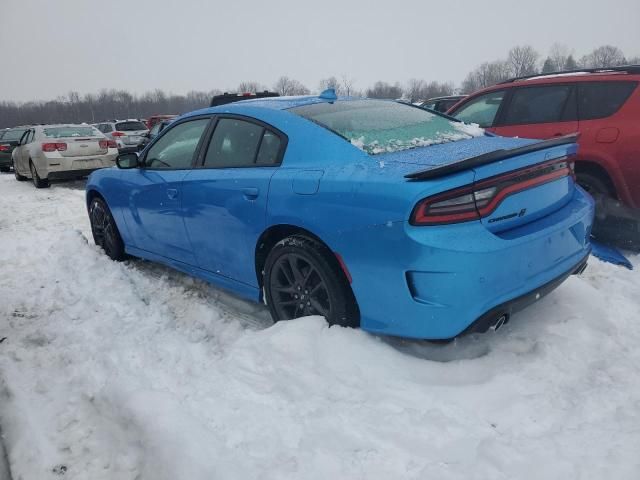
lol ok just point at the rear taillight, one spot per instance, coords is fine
(473, 202)
(52, 147)
(118, 134)
(104, 144)
(112, 144)
(4, 148)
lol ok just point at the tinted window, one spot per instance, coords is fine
(269, 149)
(234, 144)
(481, 110)
(176, 148)
(599, 100)
(13, 135)
(537, 104)
(378, 126)
(106, 128)
(130, 126)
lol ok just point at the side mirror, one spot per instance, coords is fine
(128, 160)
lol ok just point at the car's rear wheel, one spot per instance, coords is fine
(104, 229)
(37, 181)
(302, 277)
(20, 178)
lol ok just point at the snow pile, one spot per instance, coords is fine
(464, 131)
(132, 371)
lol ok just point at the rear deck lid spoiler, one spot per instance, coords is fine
(490, 157)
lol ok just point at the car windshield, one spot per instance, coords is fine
(130, 126)
(13, 135)
(381, 126)
(71, 131)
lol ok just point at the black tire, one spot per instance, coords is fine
(302, 277)
(20, 178)
(37, 181)
(594, 185)
(104, 230)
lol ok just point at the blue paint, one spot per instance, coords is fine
(421, 282)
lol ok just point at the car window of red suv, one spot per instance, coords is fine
(482, 109)
(540, 104)
(602, 99)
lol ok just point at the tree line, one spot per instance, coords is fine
(119, 104)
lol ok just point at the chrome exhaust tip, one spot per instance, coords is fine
(502, 319)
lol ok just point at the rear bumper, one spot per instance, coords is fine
(505, 310)
(435, 283)
(72, 167)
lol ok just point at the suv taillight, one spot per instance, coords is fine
(112, 144)
(52, 147)
(118, 134)
(104, 144)
(473, 202)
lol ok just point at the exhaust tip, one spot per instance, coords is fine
(500, 321)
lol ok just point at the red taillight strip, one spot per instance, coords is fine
(519, 187)
(505, 185)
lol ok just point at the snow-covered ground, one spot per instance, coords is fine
(133, 371)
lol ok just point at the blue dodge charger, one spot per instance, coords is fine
(370, 213)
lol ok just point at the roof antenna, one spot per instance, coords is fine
(329, 94)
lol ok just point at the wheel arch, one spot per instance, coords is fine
(596, 169)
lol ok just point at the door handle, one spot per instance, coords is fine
(172, 193)
(250, 193)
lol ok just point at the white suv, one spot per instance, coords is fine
(129, 135)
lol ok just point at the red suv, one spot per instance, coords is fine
(603, 105)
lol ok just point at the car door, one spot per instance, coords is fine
(21, 155)
(154, 213)
(225, 198)
(483, 109)
(541, 111)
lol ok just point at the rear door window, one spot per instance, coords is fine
(238, 143)
(602, 99)
(544, 104)
(481, 110)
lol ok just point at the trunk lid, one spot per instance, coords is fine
(515, 181)
(82, 147)
(133, 131)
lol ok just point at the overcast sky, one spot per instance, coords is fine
(51, 47)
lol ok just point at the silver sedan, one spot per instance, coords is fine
(50, 152)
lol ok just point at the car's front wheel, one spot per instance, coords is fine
(104, 229)
(302, 277)
(37, 181)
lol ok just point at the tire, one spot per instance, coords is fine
(37, 181)
(595, 185)
(20, 178)
(104, 230)
(302, 277)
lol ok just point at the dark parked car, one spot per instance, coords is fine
(9, 139)
(442, 104)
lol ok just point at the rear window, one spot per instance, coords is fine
(378, 126)
(60, 132)
(601, 99)
(130, 126)
(537, 105)
(13, 135)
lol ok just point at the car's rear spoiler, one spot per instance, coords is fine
(490, 157)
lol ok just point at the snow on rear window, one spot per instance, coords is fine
(379, 126)
(60, 132)
(130, 126)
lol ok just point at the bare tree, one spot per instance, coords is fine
(488, 73)
(288, 86)
(559, 53)
(250, 87)
(523, 60)
(385, 90)
(347, 86)
(604, 56)
(331, 82)
(415, 90)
